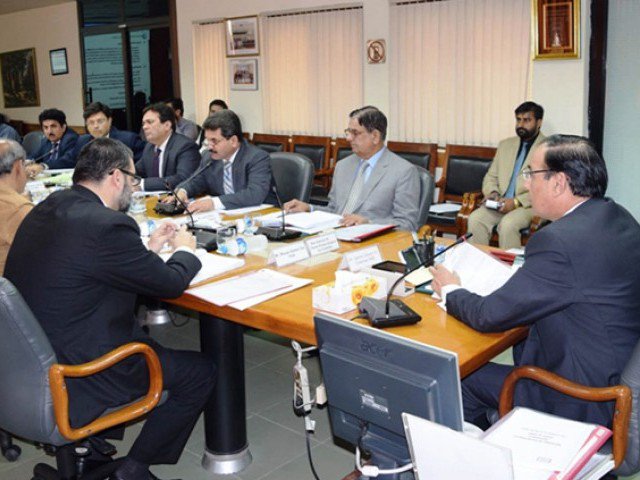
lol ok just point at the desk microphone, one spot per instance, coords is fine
(391, 313)
(173, 208)
(277, 234)
(39, 159)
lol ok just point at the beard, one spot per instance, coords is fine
(124, 200)
(525, 134)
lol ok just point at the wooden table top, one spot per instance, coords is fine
(291, 315)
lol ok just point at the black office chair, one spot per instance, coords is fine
(293, 174)
(271, 143)
(427, 187)
(31, 142)
(34, 400)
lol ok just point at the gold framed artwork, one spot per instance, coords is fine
(556, 28)
(20, 78)
(242, 36)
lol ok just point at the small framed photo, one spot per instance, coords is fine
(58, 58)
(244, 74)
(556, 28)
(242, 36)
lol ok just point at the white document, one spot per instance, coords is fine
(242, 287)
(305, 222)
(212, 265)
(445, 208)
(294, 282)
(242, 211)
(350, 234)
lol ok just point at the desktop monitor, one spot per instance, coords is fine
(373, 376)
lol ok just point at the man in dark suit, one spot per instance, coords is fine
(56, 149)
(79, 263)
(98, 120)
(168, 157)
(238, 175)
(578, 290)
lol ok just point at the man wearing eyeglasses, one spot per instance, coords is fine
(506, 199)
(373, 185)
(578, 290)
(98, 119)
(79, 263)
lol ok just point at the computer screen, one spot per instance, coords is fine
(372, 376)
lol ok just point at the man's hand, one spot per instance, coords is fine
(442, 277)
(183, 238)
(171, 199)
(296, 205)
(34, 169)
(200, 205)
(162, 234)
(492, 196)
(507, 205)
(352, 219)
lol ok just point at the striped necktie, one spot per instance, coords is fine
(356, 189)
(228, 177)
(54, 151)
(155, 167)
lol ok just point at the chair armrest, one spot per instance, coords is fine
(620, 393)
(536, 224)
(58, 372)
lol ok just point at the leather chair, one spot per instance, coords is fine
(423, 155)
(293, 174)
(463, 171)
(271, 143)
(340, 149)
(427, 187)
(31, 142)
(34, 400)
(625, 443)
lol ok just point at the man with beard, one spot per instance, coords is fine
(504, 185)
(79, 263)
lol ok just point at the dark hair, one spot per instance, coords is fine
(220, 103)
(371, 119)
(10, 152)
(3, 118)
(578, 159)
(165, 113)
(538, 111)
(53, 114)
(99, 158)
(228, 123)
(176, 104)
(96, 107)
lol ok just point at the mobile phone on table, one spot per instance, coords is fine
(390, 266)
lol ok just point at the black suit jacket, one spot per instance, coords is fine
(130, 139)
(180, 160)
(252, 179)
(66, 157)
(579, 292)
(80, 266)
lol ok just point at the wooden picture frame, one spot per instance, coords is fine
(20, 78)
(242, 36)
(58, 60)
(555, 28)
(243, 74)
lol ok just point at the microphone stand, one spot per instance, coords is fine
(173, 208)
(391, 313)
(278, 234)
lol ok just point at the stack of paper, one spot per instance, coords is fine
(359, 233)
(440, 208)
(212, 265)
(305, 222)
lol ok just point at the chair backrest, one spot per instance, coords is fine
(31, 142)
(427, 187)
(423, 155)
(340, 150)
(271, 143)
(25, 399)
(464, 169)
(293, 174)
(631, 377)
(317, 149)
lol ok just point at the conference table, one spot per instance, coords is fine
(291, 315)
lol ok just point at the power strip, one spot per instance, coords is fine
(301, 391)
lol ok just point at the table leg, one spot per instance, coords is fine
(227, 449)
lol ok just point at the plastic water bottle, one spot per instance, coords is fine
(233, 247)
(255, 242)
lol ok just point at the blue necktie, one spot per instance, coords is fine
(228, 177)
(155, 167)
(511, 190)
(54, 152)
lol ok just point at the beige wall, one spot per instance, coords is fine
(47, 29)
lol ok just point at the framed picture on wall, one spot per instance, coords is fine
(556, 28)
(244, 74)
(242, 36)
(20, 78)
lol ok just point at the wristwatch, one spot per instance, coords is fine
(516, 203)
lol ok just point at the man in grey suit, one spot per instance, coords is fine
(373, 185)
(233, 173)
(168, 156)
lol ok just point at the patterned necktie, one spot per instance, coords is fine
(54, 151)
(511, 190)
(356, 190)
(155, 168)
(228, 177)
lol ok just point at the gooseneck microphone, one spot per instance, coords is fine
(41, 157)
(391, 313)
(173, 208)
(277, 234)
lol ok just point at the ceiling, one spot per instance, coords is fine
(9, 6)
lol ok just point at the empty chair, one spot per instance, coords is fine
(423, 155)
(340, 149)
(271, 143)
(427, 187)
(31, 142)
(293, 174)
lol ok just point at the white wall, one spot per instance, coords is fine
(622, 130)
(47, 29)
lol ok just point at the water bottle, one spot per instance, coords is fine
(233, 247)
(255, 243)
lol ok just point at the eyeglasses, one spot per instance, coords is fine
(137, 179)
(352, 131)
(527, 173)
(212, 142)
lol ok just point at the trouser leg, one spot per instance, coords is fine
(481, 391)
(481, 223)
(510, 226)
